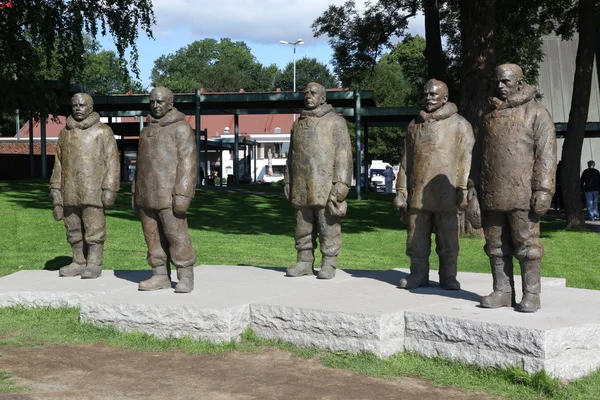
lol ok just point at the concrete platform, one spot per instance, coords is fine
(357, 311)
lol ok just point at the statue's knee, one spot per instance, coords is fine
(529, 253)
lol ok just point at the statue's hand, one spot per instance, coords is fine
(181, 204)
(462, 198)
(58, 213)
(56, 197)
(339, 191)
(108, 198)
(540, 202)
(400, 202)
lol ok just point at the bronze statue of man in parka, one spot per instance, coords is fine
(517, 184)
(164, 186)
(84, 182)
(317, 179)
(432, 183)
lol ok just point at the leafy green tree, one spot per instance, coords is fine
(216, 66)
(307, 70)
(37, 32)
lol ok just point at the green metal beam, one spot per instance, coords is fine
(357, 113)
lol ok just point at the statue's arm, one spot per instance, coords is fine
(111, 159)
(56, 178)
(544, 168)
(187, 156)
(342, 166)
(465, 154)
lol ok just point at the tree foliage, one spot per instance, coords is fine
(37, 32)
(358, 40)
(307, 70)
(216, 66)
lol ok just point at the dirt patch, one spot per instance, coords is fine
(102, 372)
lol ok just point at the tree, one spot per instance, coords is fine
(216, 66)
(580, 103)
(34, 32)
(358, 40)
(307, 70)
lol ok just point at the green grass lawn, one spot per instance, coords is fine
(233, 228)
(248, 228)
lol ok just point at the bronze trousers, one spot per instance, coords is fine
(86, 222)
(421, 224)
(167, 238)
(309, 222)
(509, 233)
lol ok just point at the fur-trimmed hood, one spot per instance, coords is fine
(89, 121)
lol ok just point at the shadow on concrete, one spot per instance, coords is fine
(57, 263)
(133, 276)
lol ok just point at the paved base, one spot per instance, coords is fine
(357, 311)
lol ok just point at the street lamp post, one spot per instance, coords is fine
(297, 42)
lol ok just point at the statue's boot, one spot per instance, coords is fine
(448, 271)
(531, 276)
(78, 264)
(304, 264)
(328, 267)
(159, 280)
(503, 284)
(419, 274)
(93, 269)
(185, 277)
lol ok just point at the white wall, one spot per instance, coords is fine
(589, 151)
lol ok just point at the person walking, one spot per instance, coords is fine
(389, 178)
(590, 184)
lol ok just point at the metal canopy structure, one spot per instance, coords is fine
(356, 106)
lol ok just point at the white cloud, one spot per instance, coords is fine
(259, 21)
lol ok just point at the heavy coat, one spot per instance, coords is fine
(166, 162)
(86, 162)
(436, 159)
(319, 157)
(519, 152)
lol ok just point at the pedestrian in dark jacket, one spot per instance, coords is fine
(590, 184)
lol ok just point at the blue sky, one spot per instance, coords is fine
(259, 23)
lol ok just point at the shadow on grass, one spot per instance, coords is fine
(57, 263)
(225, 211)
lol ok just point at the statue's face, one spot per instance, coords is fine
(160, 104)
(506, 84)
(81, 108)
(435, 97)
(313, 97)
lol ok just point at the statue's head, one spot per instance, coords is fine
(508, 80)
(161, 101)
(82, 106)
(436, 95)
(314, 95)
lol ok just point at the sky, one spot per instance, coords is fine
(259, 23)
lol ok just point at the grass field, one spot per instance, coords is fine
(249, 228)
(233, 228)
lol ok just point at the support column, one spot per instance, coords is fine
(43, 147)
(221, 163)
(254, 152)
(205, 156)
(198, 179)
(236, 149)
(366, 156)
(245, 158)
(31, 156)
(357, 122)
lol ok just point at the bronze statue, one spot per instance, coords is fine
(163, 188)
(432, 184)
(84, 182)
(517, 184)
(317, 179)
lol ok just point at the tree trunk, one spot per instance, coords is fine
(477, 27)
(436, 62)
(580, 103)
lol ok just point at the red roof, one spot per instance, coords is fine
(260, 123)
